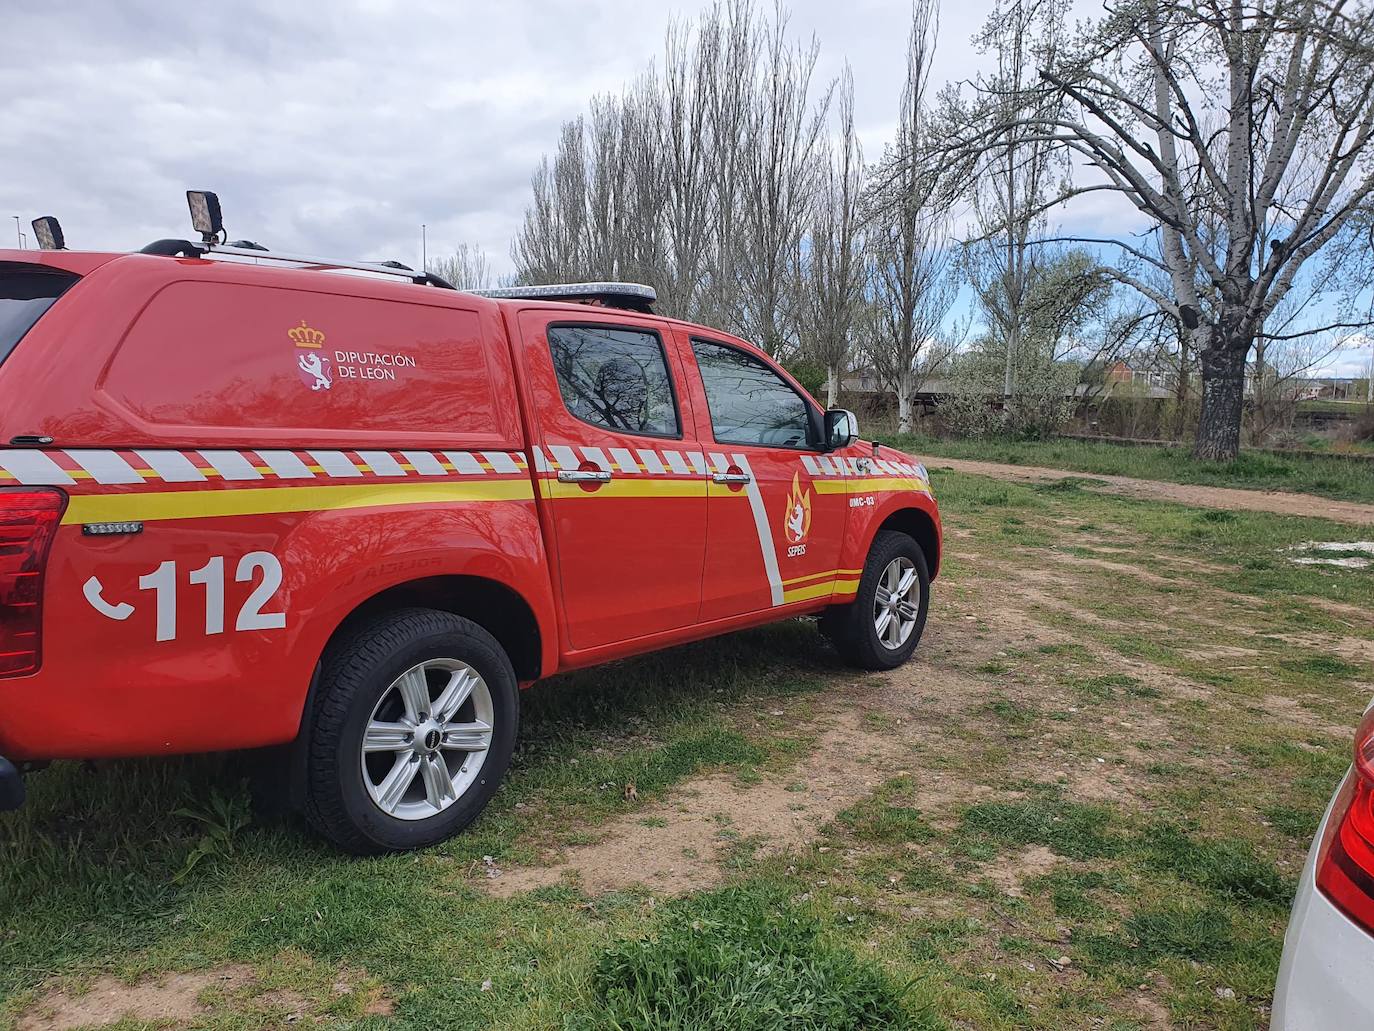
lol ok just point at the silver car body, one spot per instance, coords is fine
(1326, 979)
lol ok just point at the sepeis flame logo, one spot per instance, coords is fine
(797, 522)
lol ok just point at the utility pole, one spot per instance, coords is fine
(424, 249)
(17, 234)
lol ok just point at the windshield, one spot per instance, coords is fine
(25, 294)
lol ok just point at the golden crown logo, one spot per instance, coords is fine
(304, 336)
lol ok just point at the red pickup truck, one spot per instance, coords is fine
(250, 499)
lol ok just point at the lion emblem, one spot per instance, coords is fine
(315, 371)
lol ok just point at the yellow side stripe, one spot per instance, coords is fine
(626, 489)
(824, 589)
(205, 504)
(829, 573)
(870, 486)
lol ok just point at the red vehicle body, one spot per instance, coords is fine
(240, 462)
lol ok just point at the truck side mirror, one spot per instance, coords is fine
(841, 429)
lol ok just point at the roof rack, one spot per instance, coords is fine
(629, 296)
(206, 219)
(394, 268)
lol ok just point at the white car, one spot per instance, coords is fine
(1326, 979)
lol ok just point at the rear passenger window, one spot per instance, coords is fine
(25, 295)
(616, 378)
(749, 402)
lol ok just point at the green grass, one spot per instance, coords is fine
(1070, 829)
(1108, 778)
(740, 959)
(1328, 477)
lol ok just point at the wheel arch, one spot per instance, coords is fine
(921, 526)
(494, 606)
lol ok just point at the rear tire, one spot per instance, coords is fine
(858, 630)
(413, 728)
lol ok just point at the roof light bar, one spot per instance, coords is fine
(632, 296)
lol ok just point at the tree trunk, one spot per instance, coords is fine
(1181, 386)
(832, 386)
(1223, 399)
(904, 403)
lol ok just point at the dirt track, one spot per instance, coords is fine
(1281, 502)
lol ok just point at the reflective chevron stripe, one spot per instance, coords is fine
(266, 466)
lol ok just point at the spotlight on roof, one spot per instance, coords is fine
(205, 215)
(48, 232)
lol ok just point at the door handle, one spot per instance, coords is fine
(583, 476)
(731, 477)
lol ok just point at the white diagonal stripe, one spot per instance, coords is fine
(425, 463)
(383, 463)
(467, 464)
(597, 456)
(809, 461)
(335, 463)
(232, 465)
(719, 461)
(286, 464)
(33, 467)
(765, 530)
(651, 461)
(564, 457)
(501, 462)
(541, 464)
(170, 466)
(105, 466)
(698, 461)
(624, 461)
(675, 463)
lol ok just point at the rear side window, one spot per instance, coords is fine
(615, 378)
(24, 297)
(749, 402)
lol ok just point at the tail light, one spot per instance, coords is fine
(28, 522)
(1345, 860)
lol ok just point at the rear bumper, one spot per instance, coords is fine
(11, 785)
(1324, 979)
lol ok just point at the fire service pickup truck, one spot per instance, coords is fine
(252, 499)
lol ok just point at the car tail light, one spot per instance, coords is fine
(1345, 860)
(28, 522)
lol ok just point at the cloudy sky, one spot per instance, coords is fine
(338, 128)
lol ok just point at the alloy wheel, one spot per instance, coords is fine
(894, 607)
(427, 739)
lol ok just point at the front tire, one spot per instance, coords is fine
(413, 728)
(881, 627)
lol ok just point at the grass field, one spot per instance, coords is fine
(1346, 479)
(1084, 805)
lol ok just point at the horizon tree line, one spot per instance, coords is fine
(734, 183)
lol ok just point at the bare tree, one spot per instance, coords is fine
(912, 275)
(779, 166)
(1010, 185)
(1242, 131)
(467, 268)
(698, 180)
(833, 269)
